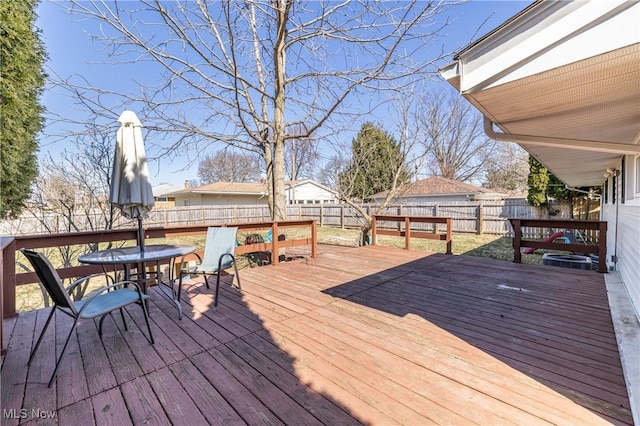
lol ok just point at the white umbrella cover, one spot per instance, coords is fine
(131, 189)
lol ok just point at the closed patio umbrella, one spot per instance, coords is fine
(131, 190)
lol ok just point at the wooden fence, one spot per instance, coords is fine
(468, 217)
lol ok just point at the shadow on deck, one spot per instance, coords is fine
(371, 335)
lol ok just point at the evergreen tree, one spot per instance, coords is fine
(21, 58)
(544, 185)
(538, 181)
(377, 164)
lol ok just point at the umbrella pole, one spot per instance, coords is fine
(140, 234)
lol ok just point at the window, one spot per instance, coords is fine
(162, 199)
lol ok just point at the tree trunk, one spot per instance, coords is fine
(279, 211)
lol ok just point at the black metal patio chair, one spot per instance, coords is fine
(99, 303)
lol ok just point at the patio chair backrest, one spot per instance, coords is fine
(220, 240)
(50, 279)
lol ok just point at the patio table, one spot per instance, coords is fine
(127, 256)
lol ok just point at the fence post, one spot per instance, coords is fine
(480, 218)
(342, 216)
(321, 215)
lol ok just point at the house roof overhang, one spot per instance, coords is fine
(562, 79)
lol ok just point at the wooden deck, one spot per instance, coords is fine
(368, 335)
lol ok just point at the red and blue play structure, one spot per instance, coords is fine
(566, 235)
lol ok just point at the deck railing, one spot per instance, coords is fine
(406, 231)
(600, 247)
(10, 279)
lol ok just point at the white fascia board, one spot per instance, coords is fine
(554, 34)
(451, 73)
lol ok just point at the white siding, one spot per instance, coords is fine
(308, 193)
(219, 200)
(624, 240)
(629, 251)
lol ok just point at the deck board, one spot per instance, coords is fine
(371, 335)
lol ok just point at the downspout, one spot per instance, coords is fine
(577, 144)
(614, 258)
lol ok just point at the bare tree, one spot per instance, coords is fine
(74, 188)
(229, 166)
(301, 155)
(508, 168)
(70, 195)
(379, 165)
(242, 73)
(331, 169)
(454, 140)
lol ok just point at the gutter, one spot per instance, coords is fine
(577, 144)
(582, 191)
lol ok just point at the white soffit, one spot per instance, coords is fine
(573, 167)
(596, 99)
(550, 35)
(561, 71)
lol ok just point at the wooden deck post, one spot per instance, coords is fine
(517, 237)
(374, 230)
(602, 247)
(449, 235)
(275, 253)
(407, 233)
(314, 239)
(9, 279)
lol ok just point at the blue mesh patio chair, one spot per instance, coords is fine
(219, 251)
(99, 303)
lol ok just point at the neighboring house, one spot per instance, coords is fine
(222, 194)
(239, 193)
(160, 196)
(562, 79)
(309, 192)
(439, 189)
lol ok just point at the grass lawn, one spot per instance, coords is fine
(492, 246)
(29, 297)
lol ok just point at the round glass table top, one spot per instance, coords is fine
(134, 254)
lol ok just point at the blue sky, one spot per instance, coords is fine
(72, 53)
